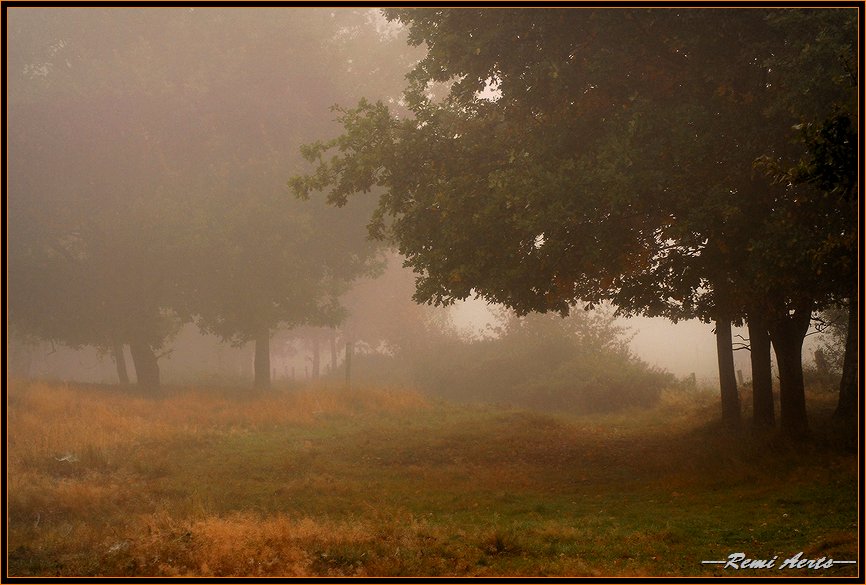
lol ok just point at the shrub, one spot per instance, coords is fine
(578, 364)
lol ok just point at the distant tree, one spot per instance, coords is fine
(90, 259)
(263, 260)
(276, 263)
(833, 325)
(141, 136)
(580, 363)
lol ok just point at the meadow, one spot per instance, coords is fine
(327, 481)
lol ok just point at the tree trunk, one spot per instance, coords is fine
(333, 350)
(847, 407)
(349, 350)
(787, 334)
(146, 366)
(262, 362)
(316, 357)
(763, 407)
(727, 376)
(120, 363)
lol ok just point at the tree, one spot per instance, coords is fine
(761, 248)
(616, 163)
(382, 316)
(281, 263)
(89, 261)
(826, 178)
(263, 260)
(140, 137)
(816, 221)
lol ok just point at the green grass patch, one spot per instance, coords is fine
(390, 485)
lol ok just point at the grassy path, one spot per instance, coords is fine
(388, 483)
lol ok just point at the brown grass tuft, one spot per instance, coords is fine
(50, 421)
(373, 482)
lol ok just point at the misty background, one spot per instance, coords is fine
(681, 348)
(148, 154)
(249, 255)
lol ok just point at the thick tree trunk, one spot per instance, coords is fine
(787, 334)
(763, 407)
(146, 366)
(120, 363)
(262, 365)
(847, 407)
(727, 376)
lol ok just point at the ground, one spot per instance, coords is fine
(375, 482)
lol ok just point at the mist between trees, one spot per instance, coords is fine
(578, 364)
(689, 164)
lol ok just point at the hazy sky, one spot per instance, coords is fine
(681, 348)
(90, 148)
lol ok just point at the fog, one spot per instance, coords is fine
(148, 212)
(342, 292)
(681, 348)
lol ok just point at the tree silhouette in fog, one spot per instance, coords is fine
(590, 155)
(147, 158)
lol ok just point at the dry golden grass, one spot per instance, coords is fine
(51, 420)
(247, 544)
(372, 482)
(68, 492)
(238, 544)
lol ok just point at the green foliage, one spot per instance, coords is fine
(832, 162)
(821, 186)
(615, 163)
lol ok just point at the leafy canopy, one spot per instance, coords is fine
(582, 155)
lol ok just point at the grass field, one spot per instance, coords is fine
(389, 483)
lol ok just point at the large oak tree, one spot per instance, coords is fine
(589, 155)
